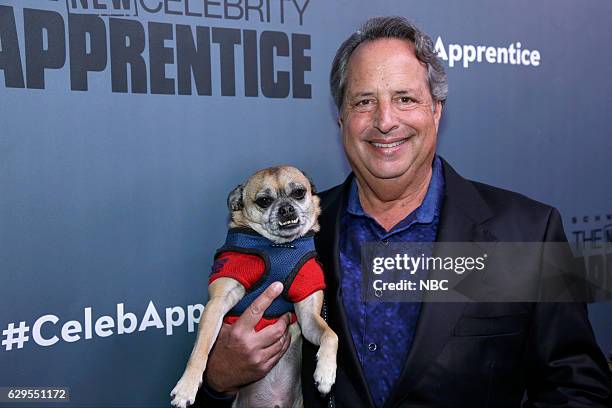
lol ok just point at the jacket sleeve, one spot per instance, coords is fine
(566, 368)
(207, 397)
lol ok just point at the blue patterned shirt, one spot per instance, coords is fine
(382, 332)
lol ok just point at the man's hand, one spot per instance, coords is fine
(241, 355)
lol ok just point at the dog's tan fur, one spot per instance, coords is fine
(277, 179)
(282, 386)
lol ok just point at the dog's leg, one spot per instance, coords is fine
(316, 331)
(223, 293)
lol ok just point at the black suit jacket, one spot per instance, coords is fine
(472, 354)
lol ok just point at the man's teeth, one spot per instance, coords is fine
(293, 221)
(387, 145)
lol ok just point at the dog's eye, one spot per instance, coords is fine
(264, 202)
(298, 194)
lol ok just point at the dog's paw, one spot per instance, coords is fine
(185, 391)
(325, 375)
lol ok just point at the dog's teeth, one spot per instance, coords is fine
(294, 221)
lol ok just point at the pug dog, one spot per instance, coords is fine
(273, 217)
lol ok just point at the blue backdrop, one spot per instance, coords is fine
(125, 123)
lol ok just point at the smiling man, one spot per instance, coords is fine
(389, 122)
(390, 89)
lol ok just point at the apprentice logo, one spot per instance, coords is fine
(88, 38)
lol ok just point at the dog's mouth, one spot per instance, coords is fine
(289, 224)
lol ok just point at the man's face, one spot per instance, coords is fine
(389, 129)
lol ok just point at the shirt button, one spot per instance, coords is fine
(385, 242)
(372, 346)
(377, 292)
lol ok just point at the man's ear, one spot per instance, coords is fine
(234, 199)
(313, 189)
(437, 113)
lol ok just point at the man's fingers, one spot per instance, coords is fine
(255, 311)
(274, 348)
(274, 353)
(270, 335)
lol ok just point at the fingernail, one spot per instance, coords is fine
(277, 287)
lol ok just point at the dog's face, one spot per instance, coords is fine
(278, 202)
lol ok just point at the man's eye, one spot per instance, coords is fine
(264, 202)
(406, 99)
(364, 102)
(298, 194)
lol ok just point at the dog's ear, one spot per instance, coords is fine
(234, 199)
(313, 189)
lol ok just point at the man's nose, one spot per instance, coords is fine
(385, 119)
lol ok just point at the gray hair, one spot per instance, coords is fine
(389, 27)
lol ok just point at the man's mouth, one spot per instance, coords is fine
(289, 223)
(388, 145)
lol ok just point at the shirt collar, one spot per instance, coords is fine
(424, 214)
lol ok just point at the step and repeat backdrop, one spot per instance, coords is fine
(124, 124)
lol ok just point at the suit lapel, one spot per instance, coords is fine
(462, 214)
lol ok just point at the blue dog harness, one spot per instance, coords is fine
(282, 263)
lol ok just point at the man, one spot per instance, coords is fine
(390, 89)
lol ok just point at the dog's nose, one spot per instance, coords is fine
(286, 210)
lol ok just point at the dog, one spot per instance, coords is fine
(273, 215)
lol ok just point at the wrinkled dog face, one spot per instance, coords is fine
(278, 202)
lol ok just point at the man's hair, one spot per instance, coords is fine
(389, 27)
